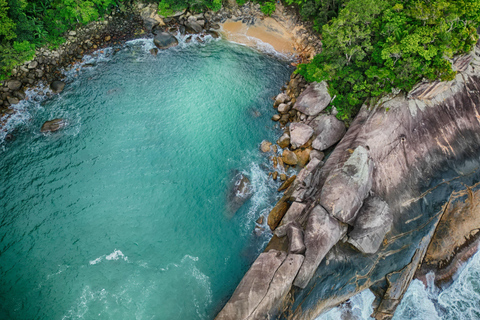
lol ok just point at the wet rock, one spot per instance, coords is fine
(373, 222)
(154, 51)
(346, 188)
(260, 220)
(314, 99)
(277, 213)
(214, 34)
(328, 130)
(193, 27)
(12, 100)
(276, 117)
(321, 234)
(253, 287)
(14, 85)
(283, 177)
(303, 156)
(295, 238)
(289, 157)
(284, 119)
(266, 146)
(287, 183)
(281, 98)
(164, 40)
(238, 193)
(284, 141)
(57, 86)
(53, 125)
(300, 133)
(275, 175)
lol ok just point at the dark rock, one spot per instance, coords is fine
(164, 40)
(314, 99)
(154, 51)
(14, 85)
(238, 193)
(373, 222)
(53, 125)
(57, 86)
(193, 27)
(321, 234)
(214, 34)
(12, 100)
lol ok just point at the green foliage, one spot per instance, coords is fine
(374, 47)
(13, 54)
(268, 8)
(318, 11)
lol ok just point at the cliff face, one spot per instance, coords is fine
(400, 176)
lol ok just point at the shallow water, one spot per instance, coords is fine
(122, 215)
(459, 301)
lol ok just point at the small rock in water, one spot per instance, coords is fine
(154, 51)
(283, 176)
(239, 192)
(260, 220)
(276, 117)
(164, 40)
(53, 125)
(266, 146)
(287, 183)
(57, 86)
(275, 175)
(284, 141)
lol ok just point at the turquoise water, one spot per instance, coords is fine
(122, 215)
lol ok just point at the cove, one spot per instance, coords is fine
(122, 215)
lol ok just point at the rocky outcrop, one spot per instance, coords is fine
(328, 130)
(300, 133)
(403, 172)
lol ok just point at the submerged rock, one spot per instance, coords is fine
(53, 125)
(164, 40)
(239, 192)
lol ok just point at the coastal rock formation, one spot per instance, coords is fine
(57, 86)
(300, 133)
(405, 173)
(53, 125)
(238, 193)
(314, 99)
(328, 130)
(164, 40)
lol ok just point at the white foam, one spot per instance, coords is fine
(115, 255)
(359, 307)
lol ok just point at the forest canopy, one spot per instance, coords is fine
(375, 46)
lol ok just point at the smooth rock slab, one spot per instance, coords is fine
(294, 214)
(281, 283)
(253, 287)
(295, 238)
(164, 40)
(328, 130)
(346, 188)
(321, 234)
(300, 133)
(314, 99)
(373, 222)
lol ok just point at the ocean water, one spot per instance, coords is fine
(458, 301)
(122, 214)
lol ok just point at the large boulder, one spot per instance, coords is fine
(57, 86)
(314, 99)
(53, 125)
(14, 85)
(150, 16)
(328, 131)
(373, 222)
(321, 234)
(284, 140)
(164, 40)
(238, 193)
(346, 187)
(193, 26)
(288, 157)
(277, 213)
(300, 133)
